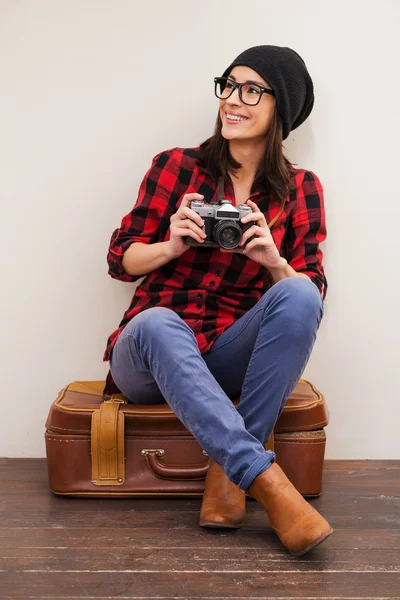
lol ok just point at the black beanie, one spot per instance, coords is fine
(286, 72)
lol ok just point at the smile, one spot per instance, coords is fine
(234, 118)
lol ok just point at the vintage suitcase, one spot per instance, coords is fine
(103, 446)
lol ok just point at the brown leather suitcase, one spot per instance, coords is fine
(103, 446)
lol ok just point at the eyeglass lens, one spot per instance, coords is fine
(250, 92)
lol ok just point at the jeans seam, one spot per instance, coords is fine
(252, 354)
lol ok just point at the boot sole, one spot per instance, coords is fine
(219, 525)
(321, 539)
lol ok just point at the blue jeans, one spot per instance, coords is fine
(260, 358)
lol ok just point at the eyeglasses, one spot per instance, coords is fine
(249, 93)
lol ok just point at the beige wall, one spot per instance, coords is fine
(79, 126)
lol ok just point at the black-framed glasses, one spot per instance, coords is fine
(249, 93)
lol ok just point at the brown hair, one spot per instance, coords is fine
(275, 170)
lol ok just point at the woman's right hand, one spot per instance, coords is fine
(185, 222)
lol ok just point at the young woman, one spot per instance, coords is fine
(208, 324)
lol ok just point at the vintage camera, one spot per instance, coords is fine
(222, 224)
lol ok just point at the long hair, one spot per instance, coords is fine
(275, 170)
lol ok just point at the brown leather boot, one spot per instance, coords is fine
(224, 504)
(298, 525)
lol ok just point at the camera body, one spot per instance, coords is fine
(222, 224)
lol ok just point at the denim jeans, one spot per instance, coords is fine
(260, 358)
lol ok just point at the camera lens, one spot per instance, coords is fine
(227, 234)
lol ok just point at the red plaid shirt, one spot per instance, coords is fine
(207, 288)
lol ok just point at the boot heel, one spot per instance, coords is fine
(224, 504)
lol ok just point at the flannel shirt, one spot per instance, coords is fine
(207, 288)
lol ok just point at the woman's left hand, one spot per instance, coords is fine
(262, 248)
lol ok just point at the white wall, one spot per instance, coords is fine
(79, 127)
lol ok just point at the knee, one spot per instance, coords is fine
(302, 303)
(151, 321)
(300, 290)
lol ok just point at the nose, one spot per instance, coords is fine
(234, 98)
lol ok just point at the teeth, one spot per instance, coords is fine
(235, 118)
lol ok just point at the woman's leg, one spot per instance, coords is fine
(263, 354)
(158, 346)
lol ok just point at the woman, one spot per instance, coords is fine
(209, 324)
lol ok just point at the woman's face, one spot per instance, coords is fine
(258, 117)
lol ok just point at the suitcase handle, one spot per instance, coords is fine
(177, 471)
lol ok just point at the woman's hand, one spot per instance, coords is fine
(185, 222)
(262, 248)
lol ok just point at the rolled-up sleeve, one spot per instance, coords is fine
(149, 219)
(307, 229)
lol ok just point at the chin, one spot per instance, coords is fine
(234, 136)
(230, 135)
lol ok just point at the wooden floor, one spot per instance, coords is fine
(58, 547)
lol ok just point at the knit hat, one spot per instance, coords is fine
(286, 72)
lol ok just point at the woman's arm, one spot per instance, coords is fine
(146, 224)
(306, 231)
(140, 259)
(284, 271)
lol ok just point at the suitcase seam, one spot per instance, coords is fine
(64, 440)
(301, 427)
(187, 442)
(137, 439)
(308, 441)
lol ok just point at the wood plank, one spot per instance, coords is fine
(187, 539)
(365, 512)
(199, 559)
(193, 584)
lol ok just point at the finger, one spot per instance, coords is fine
(251, 203)
(187, 198)
(258, 241)
(185, 231)
(189, 224)
(249, 232)
(191, 214)
(186, 214)
(255, 216)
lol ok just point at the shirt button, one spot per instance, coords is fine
(198, 306)
(217, 273)
(212, 283)
(199, 295)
